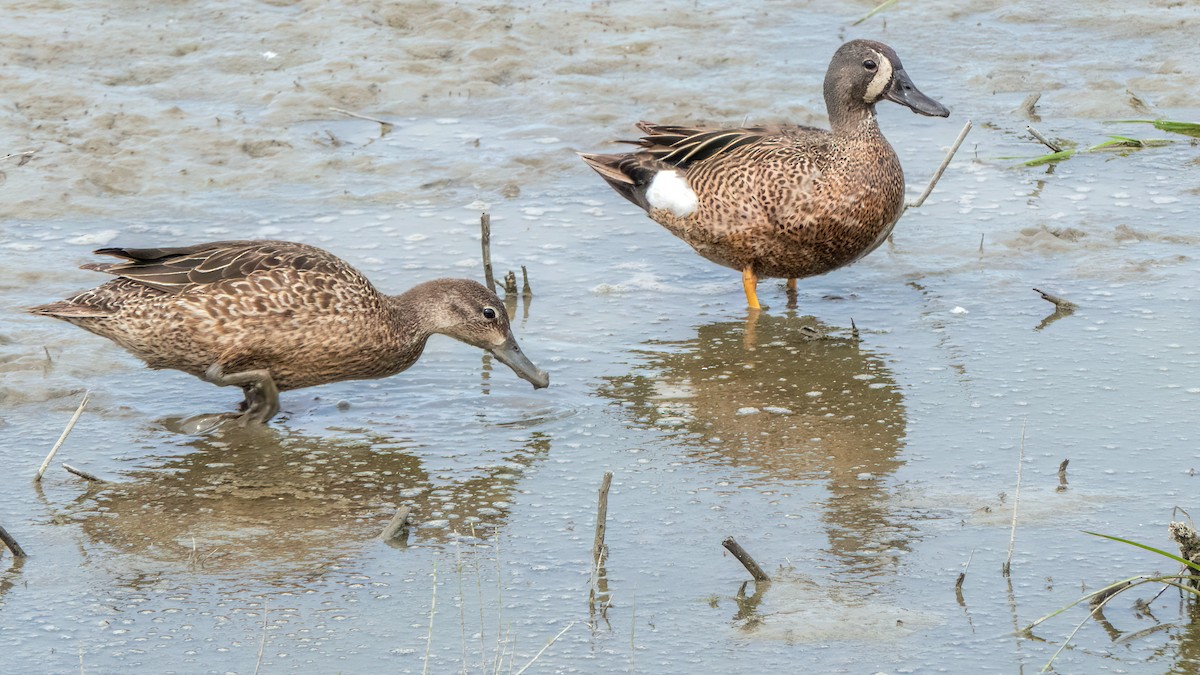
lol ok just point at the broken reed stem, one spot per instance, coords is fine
(387, 126)
(83, 474)
(879, 8)
(1054, 147)
(599, 549)
(510, 285)
(743, 557)
(1028, 107)
(432, 613)
(61, 439)
(941, 169)
(25, 155)
(262, 644)
(397, 528)
(11, 543)
(1061, 303)
(962, 576)
(1012, 537)
(544, 648)
(485, 224)
(526, 291)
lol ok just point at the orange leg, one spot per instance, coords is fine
(750, 284)
(792, 285)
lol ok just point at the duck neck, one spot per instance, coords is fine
(848, 116)
(408, 327)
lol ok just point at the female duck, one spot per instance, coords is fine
(268, 316)
(782, 201)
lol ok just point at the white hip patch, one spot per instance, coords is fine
(669, 191)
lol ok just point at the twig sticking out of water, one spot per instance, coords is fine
(432, 613)
(1062, 304)
(485, 224)
(262, 643)
(397, 529)
(1062, 476)
(879, 8)
(11, 543)
(544, 648)
(91, 477)
(962, 576)
(526, 291)
(941, 169)
(599, 548)
(25, 156)
(743, 557)
(1012, 538)
(384, 127)
(61, 439)
(1054, 147)
(510, 285)
(1028, 107)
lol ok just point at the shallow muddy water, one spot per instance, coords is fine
(863, 445)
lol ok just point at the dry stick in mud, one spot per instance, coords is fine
(1028, 107)
(941, 168)
(526, 291)
(70, 425)
(398, 527)
(1054, 147)
(1062, 304)
(11, 543)
(385, 127)
(90, 477)
(485, 224)
(740, 553)
(599, 548)
(1012, 538)
(1062, 476)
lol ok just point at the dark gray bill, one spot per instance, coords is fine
(510, 355)
(904, 92)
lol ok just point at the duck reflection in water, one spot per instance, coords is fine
(277, 500)
(785, 399)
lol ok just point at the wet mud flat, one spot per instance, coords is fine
(863, 446)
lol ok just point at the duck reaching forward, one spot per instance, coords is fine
(782, 201)
(269, 316)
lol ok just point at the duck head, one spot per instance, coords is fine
(864, 72)
(467, 311)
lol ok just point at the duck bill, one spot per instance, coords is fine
(510, 355)
(904, 92)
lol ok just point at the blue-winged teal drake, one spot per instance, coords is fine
(781, 201)
(269, 316)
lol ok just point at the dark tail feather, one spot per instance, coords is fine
(629, 174)
(65, 309)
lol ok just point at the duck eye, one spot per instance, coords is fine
(870, 65)
(489, 313)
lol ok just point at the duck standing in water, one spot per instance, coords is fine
(268, 316)
(781, 201)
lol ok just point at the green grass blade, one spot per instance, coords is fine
(1186, 128)
(1052, 157)
(1161, 552)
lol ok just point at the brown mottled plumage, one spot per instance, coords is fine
(782, 201)
(275, 315)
